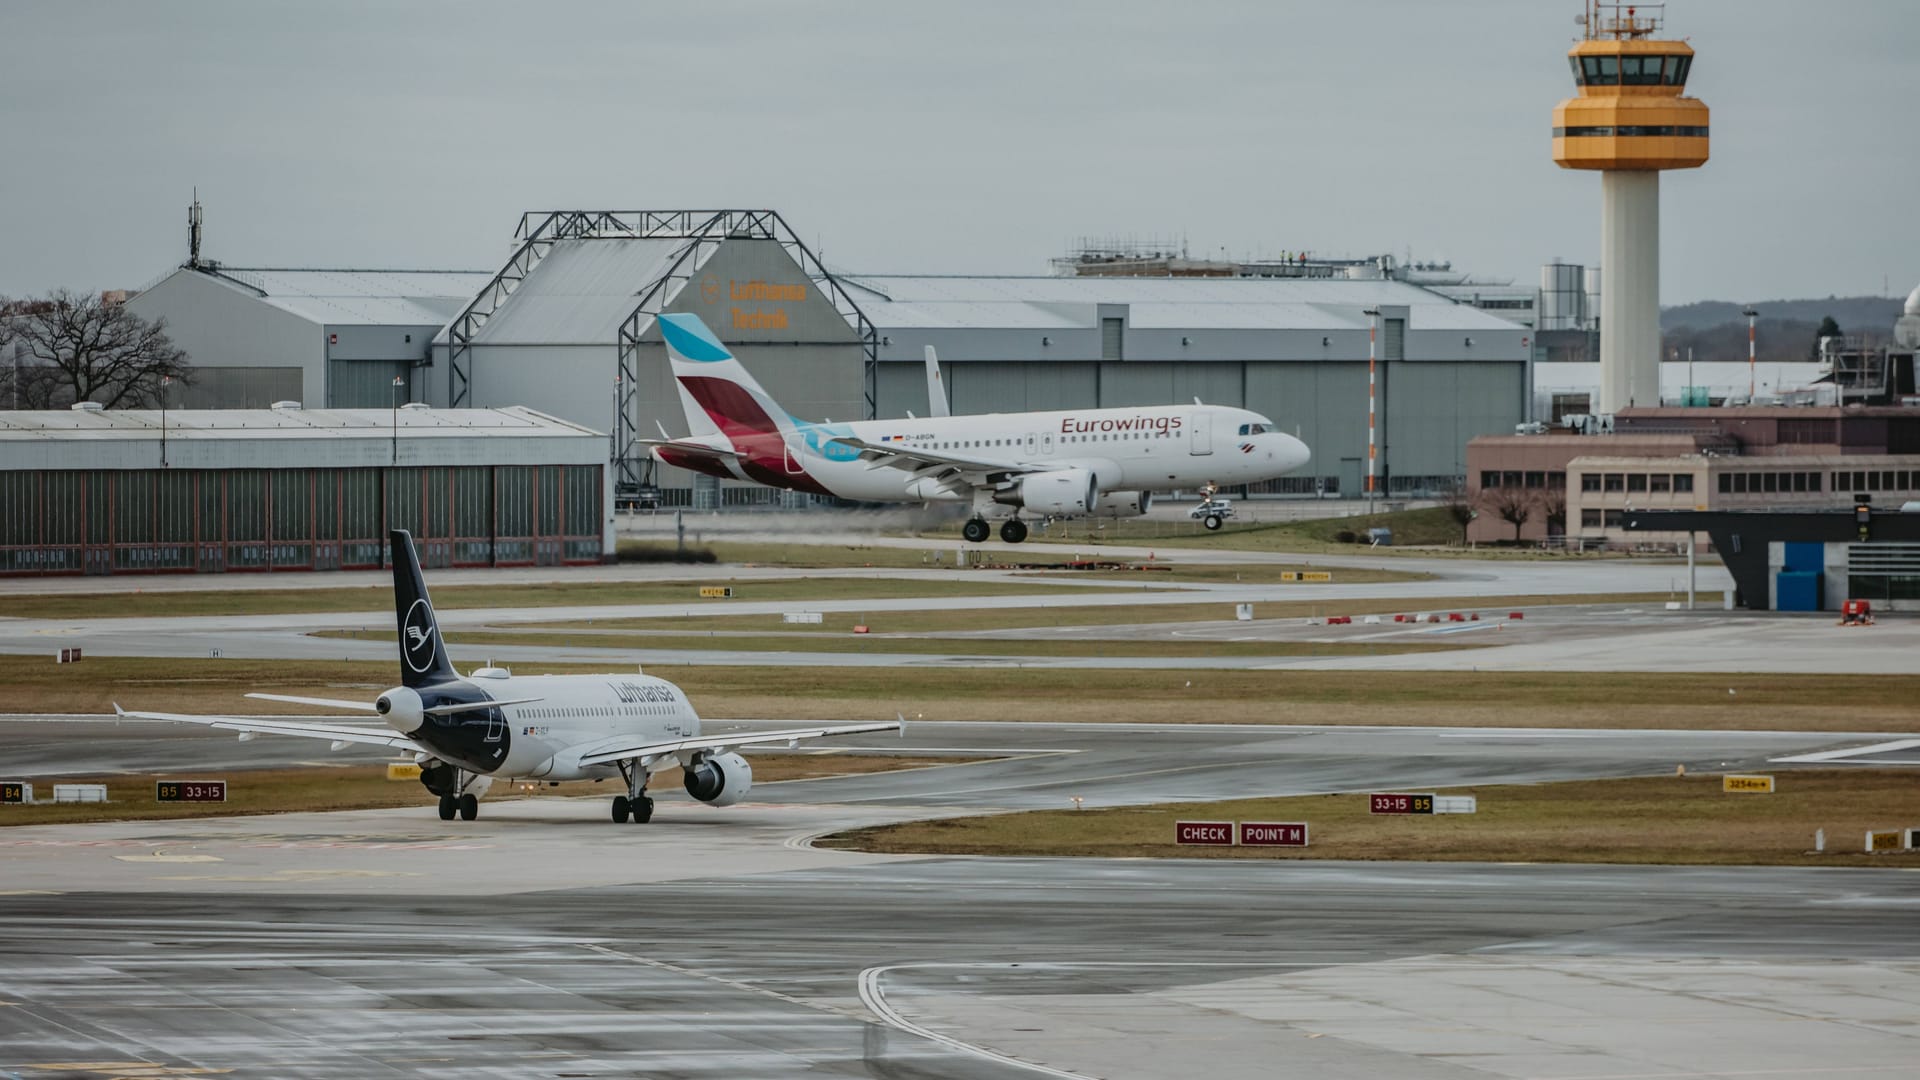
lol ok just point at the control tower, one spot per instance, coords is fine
(1629, 121)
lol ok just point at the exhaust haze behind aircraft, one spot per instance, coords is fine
(492, 725)
(1063, 463)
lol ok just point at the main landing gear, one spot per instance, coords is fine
(467, 806)
(977, 530)
(635, 803)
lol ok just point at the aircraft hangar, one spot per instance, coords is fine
(565, 326)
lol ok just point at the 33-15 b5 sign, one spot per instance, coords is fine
(1382, 802)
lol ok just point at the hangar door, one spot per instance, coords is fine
(367, 384)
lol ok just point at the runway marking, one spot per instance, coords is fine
(1856, 751)
(163, 857)
(876, 1003)
(732, 984)
(1536, 735)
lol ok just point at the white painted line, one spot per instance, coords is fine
(876, 1003)
(1851, 752)
(1535, 735)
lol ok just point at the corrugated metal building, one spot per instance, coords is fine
(567, 327)
(333, 338)
(1295, 350)
(109, 492)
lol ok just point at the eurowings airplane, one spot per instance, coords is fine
(1065, 463)
(493, 725)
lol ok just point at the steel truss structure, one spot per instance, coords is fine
(701, 232)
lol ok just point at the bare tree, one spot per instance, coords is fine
(69, 347)
(1553, 508)
(1459, 504)
(1514, 505)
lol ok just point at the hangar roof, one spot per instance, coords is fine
(1017, 303)
(356, 297)
(292, 438)
(582, 291)
(109, 425)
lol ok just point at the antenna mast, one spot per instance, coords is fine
(193, 231)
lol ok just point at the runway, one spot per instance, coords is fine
(542, 940)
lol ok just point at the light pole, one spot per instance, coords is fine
(1373, 325)
(1752, 387)
(393, 399)
(165, 381)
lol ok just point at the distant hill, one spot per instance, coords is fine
(1785, 332)
(1855, 314)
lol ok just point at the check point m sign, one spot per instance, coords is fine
(1242, 833)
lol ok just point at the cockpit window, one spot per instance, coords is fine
(1253, 429)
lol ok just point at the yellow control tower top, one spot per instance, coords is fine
(1629, 113)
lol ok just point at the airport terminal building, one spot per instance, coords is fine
(227, 490)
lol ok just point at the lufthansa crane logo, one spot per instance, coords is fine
(416, 636)
(710, 289)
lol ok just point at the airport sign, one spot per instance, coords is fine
(14, 791)
(1203, 832)
(1757, 784)
(715, 592)
(190, 791)
(402, 770)
(1399, 802)
(1273, 833)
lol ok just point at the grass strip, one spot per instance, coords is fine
(379, 598)
(867, 644)
(1067, 613)
(1686, 701)
(1659, 820)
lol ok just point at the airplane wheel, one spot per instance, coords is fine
(447, 808)
(1013, 530)
(469, 807)
(1213, 523)
(976, 531)
(642, 810)
(620, 809)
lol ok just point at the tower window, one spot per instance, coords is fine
(1601, 70)
(1641, 70)
(1676, 70)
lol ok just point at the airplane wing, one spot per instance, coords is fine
(720, 743)
(958, 473)
(692, 449)
(339, 733)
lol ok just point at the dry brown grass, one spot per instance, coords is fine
(1441, 698)
(366, 787)
(1641, 820)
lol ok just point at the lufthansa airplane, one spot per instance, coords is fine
(1067, 463)
(493, 725)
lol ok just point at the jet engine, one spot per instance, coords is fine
(720, 780)
(1123, 504)
(1059, 491)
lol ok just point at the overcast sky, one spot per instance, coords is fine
(938, 138)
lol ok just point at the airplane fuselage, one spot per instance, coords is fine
(544, 739)
(1156, 447)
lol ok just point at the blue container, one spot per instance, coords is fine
(1794, 591)
(1803, 558)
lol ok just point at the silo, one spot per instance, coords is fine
(1562, 303)
(1593, 298)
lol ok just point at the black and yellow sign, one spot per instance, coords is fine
(402, 770)
(715, 592)
(190, 791)
(13, 791)
(1762, 785)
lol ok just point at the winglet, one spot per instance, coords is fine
(117, 710)
(902, 717)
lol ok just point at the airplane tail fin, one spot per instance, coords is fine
(936, 390)
(423, 656)
(714, 385)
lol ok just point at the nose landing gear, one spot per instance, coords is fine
(635, 803)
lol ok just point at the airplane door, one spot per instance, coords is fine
(1033, 444)
(1202, 433)
(796, 452)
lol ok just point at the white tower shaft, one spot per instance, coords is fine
(1630, 304)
